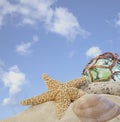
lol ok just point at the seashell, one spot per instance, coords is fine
(95, 108)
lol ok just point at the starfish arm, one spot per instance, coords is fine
(77, 82)
(48, 96)
(51, 83)
(73, 93)
(62, 103)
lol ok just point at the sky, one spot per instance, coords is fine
(56, 37)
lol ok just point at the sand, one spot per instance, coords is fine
(46, 112)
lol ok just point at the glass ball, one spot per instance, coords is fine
(103, 68)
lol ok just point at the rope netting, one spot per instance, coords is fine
(110, 57)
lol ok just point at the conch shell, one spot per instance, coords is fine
(95, 108)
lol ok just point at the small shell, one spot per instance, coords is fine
(95, 108)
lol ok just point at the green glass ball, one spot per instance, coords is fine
(103, 68)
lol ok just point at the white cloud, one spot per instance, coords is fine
(25, 48)
(29, 11)
(35, 38)
(93, 51)
(117, 21)
(55, 19)
(13, 79)
(1, 21)
(66, 24)
(27, 21)
(2, 64)
(7, 101)
(6, 8)
(71, 54)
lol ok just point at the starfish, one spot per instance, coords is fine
(62, 93)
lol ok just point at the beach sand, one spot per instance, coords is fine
(46, 112)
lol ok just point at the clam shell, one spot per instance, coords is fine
(95, 108)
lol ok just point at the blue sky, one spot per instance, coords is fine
(51, 36)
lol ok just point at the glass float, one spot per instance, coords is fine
(103, 68)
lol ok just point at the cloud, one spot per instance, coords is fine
(1, 21)
(12, 79)
(6, 8)
(58, 20)
(35, 38)
(2, 64)
(117, 20)
(25, 48)
(66, 24)
(93, 51)
(71, 54)
(110, 41)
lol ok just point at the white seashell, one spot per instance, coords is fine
(95, 108)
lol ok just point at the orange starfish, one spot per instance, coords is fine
(61, 93)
